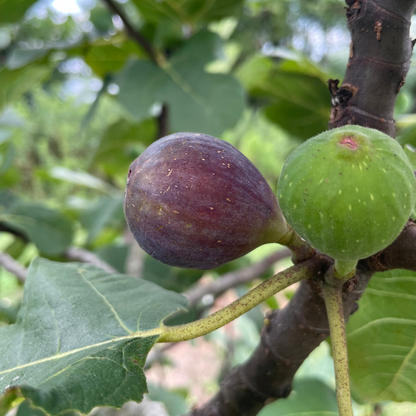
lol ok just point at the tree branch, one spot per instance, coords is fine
(401, 254)
(163, 118)
(85, 256)
(379, 61)
(233, 279)
(380, 53)
(13, 266)
(289, 336)
(163, 122)
(131, 31)
(73, 253)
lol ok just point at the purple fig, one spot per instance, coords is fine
(195, 201)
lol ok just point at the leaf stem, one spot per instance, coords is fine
(232, 311)
(335, 312)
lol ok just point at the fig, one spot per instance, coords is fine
(348, 192)
(195, 201)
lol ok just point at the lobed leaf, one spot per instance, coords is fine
(76, 343)
(198, 101)
(295, 94)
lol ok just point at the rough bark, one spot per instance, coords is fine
(291, 334)
(379, 61)
(380, 52)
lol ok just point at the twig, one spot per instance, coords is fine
(85, 256)
(131, 31)
(398, 255)
(73, 253)
(233, 279)
(13, 266)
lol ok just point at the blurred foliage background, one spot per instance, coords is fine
(80, 99)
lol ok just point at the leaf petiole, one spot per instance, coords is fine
(235, 309)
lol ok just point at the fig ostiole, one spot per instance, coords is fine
(348, 192)
(195, 201)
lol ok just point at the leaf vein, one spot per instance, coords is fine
(106, 302)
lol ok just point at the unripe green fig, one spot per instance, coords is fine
(348, 192)
(195, 201)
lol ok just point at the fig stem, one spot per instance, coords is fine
(235, 309)
(301, 250)
(345, 269)
(335, 311)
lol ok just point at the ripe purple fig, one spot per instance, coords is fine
(195, 201)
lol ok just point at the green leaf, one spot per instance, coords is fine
(105, 211)
(297, 119)
(296, 96)
(189, 11)
(381, 339)
(122, 142)
(7, 199)
(115, 256)
(9, 400)
(170, 278)
(105, 57)
(407, 135)
(8, 312)
(175, 403)
(80, 178)
(25, 409)
(19, 57)
(14, 83)
(309, 397)
(101, 18)
(13, 10)
(198, 101)
(7, 153)
(50, 230)
(76, 343)
(411, 155)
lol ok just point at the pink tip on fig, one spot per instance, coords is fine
(349, 142)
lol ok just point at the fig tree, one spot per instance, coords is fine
(195, 201)
(348, 192)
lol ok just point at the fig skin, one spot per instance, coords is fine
(195, 201)
(348, 192)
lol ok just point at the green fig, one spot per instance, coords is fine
(348, 192)
(195, 201)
